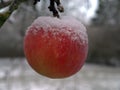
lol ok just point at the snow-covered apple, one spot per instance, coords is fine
(56, 48)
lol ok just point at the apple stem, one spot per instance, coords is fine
(53, 9)
(35, 1)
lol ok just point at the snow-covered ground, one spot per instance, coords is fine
(16, 74)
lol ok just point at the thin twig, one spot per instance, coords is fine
(53, 9)
(59, 6)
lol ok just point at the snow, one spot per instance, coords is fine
(67, 25)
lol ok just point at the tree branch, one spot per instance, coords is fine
(15, 3)
(5, 15)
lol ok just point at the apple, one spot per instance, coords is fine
(56, 48)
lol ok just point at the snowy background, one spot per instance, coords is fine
(15, 73)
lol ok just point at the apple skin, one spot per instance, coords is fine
(51, 51)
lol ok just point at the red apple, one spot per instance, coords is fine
(56, 48)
